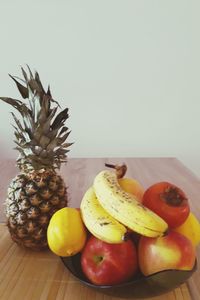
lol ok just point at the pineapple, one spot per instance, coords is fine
(40, 135)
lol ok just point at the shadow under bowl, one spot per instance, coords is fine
(138, 287)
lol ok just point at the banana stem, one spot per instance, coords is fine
(110, 166)
(120, 170)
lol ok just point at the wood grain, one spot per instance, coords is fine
(41, 275)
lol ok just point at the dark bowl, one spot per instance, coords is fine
(138, 287)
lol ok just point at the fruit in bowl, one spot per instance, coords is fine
(173, 251)
(131, 251)
(99, 266)
(137, 286)
(129, 185)
(168, 201)
(191, 229)
(66, 233)
(108, 264)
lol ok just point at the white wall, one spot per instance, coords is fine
(128, 70)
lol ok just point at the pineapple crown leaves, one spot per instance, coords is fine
(41, 135)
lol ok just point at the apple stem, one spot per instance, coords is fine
(126, 236)
(166, 232)
(120, 170)
(98, 258)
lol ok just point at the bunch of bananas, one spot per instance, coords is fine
(109, 212)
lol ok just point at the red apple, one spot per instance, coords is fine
(108, 264)
(173, 251)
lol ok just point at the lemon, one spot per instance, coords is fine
(66, 233)
(191, 229)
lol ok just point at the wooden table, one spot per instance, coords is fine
(28, 275)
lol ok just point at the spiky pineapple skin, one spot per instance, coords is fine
(32, 200)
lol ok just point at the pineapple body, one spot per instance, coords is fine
(32, 200)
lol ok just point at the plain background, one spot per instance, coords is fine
(129, 71)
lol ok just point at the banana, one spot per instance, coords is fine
(125, 207)
(99, 222)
